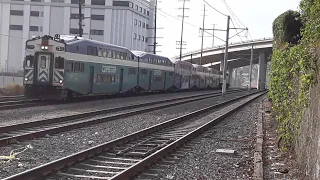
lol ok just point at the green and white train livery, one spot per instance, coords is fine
(64, 67)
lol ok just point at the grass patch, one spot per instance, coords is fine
(12, 90)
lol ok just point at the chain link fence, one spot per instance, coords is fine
(11, 76)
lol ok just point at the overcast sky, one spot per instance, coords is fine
(257, 15)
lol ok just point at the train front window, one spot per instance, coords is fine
(43, 62)
(29, 62)
(59, 63)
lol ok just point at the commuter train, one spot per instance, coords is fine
(65, 67)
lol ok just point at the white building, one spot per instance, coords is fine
(122, 23)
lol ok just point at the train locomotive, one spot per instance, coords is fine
(64, 67)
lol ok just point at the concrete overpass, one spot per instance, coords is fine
(239, 55)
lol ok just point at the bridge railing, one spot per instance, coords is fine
(231, 44)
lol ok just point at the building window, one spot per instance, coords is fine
(148, 13)
(121, 3)
(98, 2)
(16, 27)
(147, 25)
(140, 9)
(143, 38)
(57, 1)
(75, 16)
(143, 25)
(137, 7)
(135, 22)
(97, 17)
(16, 12)
(96, 32)
(144, 11)
(146, 39)
(36, 0)
(139, 23)
(77, 1)
(131, 4)
(135, 36)
(139, 37)
(33, 28)
(74, 31)
(35, 13)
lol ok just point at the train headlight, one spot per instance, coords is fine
(26, 79)
(44, 47)
(60, 81)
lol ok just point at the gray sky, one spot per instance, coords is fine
(257, 15)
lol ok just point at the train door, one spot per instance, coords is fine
(91, 78)
(150, 76)
(165, 81)
(44, 62)
(121, 80)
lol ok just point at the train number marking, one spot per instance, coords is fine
(157, 73)
(109, 69)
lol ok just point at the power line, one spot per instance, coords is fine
(214, 8)
(236, 18)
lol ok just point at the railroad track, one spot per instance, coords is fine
(24, 131)
(15, 104)
(11, 98)
(126, 157)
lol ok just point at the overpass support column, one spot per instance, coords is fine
(221, 65)
(262, 71)
(230, 70)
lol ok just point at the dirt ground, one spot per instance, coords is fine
(277, 165)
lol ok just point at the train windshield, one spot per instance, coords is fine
(59, 63)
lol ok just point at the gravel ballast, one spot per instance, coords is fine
(199, 159)
(46, 112)
(50, 148)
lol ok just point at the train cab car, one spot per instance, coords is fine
(155, 72)
(64, 67)
(44, 67)
(183, 75)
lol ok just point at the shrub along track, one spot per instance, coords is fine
(125, 157)
(24, 131)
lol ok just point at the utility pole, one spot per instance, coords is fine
(204, 15)
(154, 37)
(80, 18)
(250, 73)
(214, 26)
(226, 58)
(182, 26)
(155, 28)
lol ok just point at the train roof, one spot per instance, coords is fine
(70, 39)
(143, 54)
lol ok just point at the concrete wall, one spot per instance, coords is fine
(308, 144)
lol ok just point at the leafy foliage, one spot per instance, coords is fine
(286, 28)
(294, 67)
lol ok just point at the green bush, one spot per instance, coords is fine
(294, 67)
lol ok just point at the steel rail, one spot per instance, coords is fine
(10, 98)
(12, 134)
(46, 169)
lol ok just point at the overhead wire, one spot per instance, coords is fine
(214, 8)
